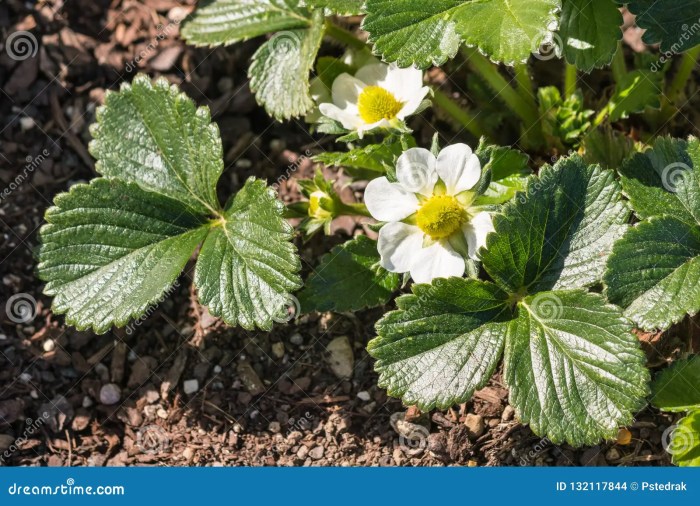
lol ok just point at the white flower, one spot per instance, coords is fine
(432, 226)
(379, 96)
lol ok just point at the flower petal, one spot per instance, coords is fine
(349, 120)
(436, 261)
(475, 231)
(397, 245)
(415, 170)
(414, 103)
(459, 168)
(405, 84)
(346, 91)
(374, 74)
(389, 201)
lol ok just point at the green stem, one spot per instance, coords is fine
(345, 36)
(525, 110)
(570, 76)
(461, 115)
(676, 87)
(522, 77)
(353, 210)
(618, 65)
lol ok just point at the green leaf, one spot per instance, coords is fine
(111, 249)
(589, 31)
(653, 272)
(349, 278)
(247, 266)
(638, 90)
(558, 234)
(155, 136)
(443, 343)
(329, 68)
(509, 172)
(279, 71)
(415, 32)
(677, 388)
(685, 441)
(607, 147)
(217, 22)
(574, 369)
(341, 7)
(665, 180)
(675, 24)
(368, 162)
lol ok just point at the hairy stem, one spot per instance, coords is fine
(618, 65)
(676, 87)
(522, 78)
(344, 36)
(458, 113)
(570, 76)
(524, 109)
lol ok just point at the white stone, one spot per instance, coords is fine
(363, 396)
(190, 386)
(49, 345)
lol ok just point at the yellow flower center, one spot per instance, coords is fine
(375, 104)
(441, 216)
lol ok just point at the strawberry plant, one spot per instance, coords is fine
(543, 269)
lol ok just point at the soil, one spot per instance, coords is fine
(178, 387)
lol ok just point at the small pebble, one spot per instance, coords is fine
(363, 396)
(475, 425)
(162, 413)
(278, 349)
(190, 386)
(87, 402)
(296, 339)
(25, 377)
(110, 394)
(3, 337)
(275, 427)
(217, 369)
(316, 453)
(49, 345)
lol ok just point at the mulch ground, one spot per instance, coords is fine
(178, 387)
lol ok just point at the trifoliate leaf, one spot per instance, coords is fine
(684, 444)
(575, 371)
(677, 388)
(368, 162)
(279, 71)
(217, 22)
(589, 31)
(667, 22)
(443, 343)
(636, 91)
(341, 7)
(654, 270)
(415, 32)
(665, 180)
(111, 249)
(247, 266)
(559, 232)
(155, 136)
(509, 172)
(349, 278)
